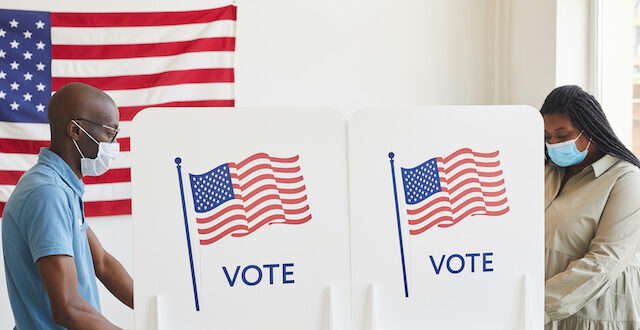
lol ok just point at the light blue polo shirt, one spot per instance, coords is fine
(44, 216)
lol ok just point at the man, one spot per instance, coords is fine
(51, 256)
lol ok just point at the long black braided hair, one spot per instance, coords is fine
(586, 114)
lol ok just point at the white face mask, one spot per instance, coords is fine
(107, 153)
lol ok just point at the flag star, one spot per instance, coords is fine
(40, 87)
(40, 107)
(3, 75)
(27, 97)
(2, 53)
(14, 86)
(3, 33)
(2, 95)
(27, 76)
(40, 66)
(14, 44)
(27, 34)
(14, 23)
(14, 65)
(40, 45)
(14, 105)
(40, 24)
(27, 55)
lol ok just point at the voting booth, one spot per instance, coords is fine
(240, 219)
(297, 218)
(447, 218)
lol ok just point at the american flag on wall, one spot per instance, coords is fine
(444, 191)
(238, 199)
(161, 59)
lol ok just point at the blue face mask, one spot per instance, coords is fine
(566, 153)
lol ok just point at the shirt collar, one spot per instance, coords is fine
(603, 164)
(51, 159)
(599, 166)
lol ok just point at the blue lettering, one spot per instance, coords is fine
(473, 259)
(437, 268)
(235, 275)
(271, 266)
(285, 273)
(449, 263)
(486, 262)
(244, 273)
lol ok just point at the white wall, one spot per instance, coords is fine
(573, 43)
(531, 59)
(349, 54)
(343, 54)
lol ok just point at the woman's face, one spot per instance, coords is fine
(559, 128)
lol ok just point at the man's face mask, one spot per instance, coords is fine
(566, 153)
(107, 153)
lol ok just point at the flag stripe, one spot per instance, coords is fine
(142, 19)
(95, 52)
(112, 176)
(140, 65)
(107, 207)
(167, 78)
(140, 34)
(221, 235)
(259, 224)
(127, 113)
(429, 225)
(13, 146)
(10, 177)
(164, 94)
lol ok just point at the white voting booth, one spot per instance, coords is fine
(289, 268)
(464, 253)
(402, 218)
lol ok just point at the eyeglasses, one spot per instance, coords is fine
(114, 131)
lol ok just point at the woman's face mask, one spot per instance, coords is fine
(107, 153)
(566, 153)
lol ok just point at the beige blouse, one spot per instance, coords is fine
(592, 247)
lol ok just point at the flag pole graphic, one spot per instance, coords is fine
(395, 193)
(178, 160)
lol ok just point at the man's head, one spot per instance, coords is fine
(75, 111)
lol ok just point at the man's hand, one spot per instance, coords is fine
(110, 272)
(68, 307)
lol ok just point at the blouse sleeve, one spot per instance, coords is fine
(616, 240)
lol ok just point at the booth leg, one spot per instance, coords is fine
(330, 307)
(528, 305)
(372, 307)
(156, 310)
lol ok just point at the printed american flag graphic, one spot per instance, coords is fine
(444, 191)
(238, 199)
(160, 59)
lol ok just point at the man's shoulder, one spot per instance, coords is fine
(38, 176)
(40, 183)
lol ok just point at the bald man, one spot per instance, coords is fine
(51, 256)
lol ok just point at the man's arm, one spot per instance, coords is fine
(110, 272)
(68, 307)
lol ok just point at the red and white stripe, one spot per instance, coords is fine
(162, 59)
(472, 183)
(268, 190)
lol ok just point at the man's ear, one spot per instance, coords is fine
(73, 131)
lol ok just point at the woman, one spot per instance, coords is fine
(592, 218)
